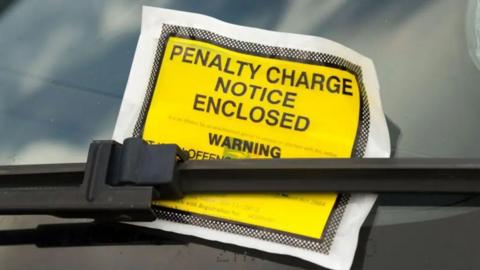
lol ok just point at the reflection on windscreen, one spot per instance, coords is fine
(64, 67)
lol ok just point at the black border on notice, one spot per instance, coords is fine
(358, 149)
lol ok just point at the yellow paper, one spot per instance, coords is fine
(218, 103)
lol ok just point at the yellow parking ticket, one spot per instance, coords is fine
(226, 91)
(217, 101)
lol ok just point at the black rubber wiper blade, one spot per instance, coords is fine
(119, 182)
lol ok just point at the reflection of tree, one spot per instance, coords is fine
(4, 4)
(64, 69)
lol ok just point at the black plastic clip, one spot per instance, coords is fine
(139, 163)
(118, 183)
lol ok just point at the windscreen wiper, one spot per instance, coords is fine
(88, 234)
(119, 181)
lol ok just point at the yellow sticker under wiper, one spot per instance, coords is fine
(222, 102)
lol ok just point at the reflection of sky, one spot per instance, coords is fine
(64, 66)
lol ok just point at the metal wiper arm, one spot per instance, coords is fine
(119, 182)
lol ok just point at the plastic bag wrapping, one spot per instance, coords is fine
(337, 245)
